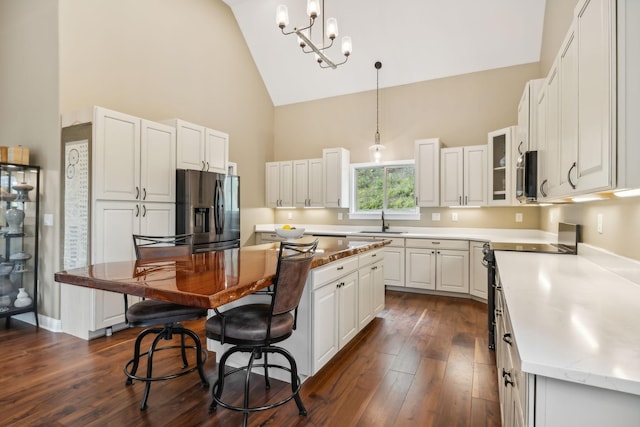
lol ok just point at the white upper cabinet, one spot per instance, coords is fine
(134, 159)
(279, 184)
(463, 176)
(336, 177)
(549, 135)
(568, 65)
(216, 151)
(596, 90)
(526, 135)
(307, 183)
(500, 171)
(427, 172)
(200, 148)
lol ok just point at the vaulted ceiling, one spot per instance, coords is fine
(415, 40)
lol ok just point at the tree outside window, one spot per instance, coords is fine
(384, 187)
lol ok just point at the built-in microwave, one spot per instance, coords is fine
(527, 177)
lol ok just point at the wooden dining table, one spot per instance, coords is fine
(206, 280)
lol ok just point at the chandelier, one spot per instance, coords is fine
(377, 148)
(305, 36)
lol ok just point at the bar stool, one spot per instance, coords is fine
(152, 313)
(254, 328)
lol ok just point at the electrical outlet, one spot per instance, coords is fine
(518, 217)
(435, 216)
(600, 221)
(48, 220)
(454, 216)
(290, 215)
(339, 216)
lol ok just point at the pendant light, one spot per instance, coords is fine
(376, 149)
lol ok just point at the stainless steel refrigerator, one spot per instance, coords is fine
(208, 205)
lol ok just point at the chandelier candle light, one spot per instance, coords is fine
(377, 148)
(305, 38)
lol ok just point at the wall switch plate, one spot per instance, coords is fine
(290, 215)
(518, 217)
(454, 216)
(339, 216)
(48, 220)
(435, 216)
(600, 221)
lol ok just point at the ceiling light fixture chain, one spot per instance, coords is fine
(304, 34)
(377, 148)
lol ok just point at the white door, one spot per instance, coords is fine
(421, 268)
(427, 172)
(365, 296)
(216, 151)
(158, 219)
(477, 271)
(451, 176)
(190, 145)
(116, 155)
(347, 309)
(315, 183)
(300, 183)
(475, 175)
(548, 157)
(568, 114)
(286, 184)
(452, 271)
(272, 184)
(157, 162)
(394, 266)
(325, 325)
(378, 287)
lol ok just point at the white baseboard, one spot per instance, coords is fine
(45, 322)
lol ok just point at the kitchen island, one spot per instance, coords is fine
(568, 339)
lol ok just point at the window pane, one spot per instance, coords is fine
(400, 194)
(369, 189)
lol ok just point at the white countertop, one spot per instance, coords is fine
(573, 319)
(479, 234)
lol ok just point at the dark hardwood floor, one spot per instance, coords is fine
(423, 362)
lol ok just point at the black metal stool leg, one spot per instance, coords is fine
(136, 351)
(199, 359)
(147, 386)
(247, 379)
(267, 384)
(295, 381)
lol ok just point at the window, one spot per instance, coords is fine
(387, 187)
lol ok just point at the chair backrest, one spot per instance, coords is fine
(148, 247)
(294, 263)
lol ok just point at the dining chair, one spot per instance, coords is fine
(255, 328)
(162, 318)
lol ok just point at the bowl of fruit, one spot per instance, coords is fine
(289, 232)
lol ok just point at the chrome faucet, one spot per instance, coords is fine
(384, 227)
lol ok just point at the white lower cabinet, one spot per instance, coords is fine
(441, 265)
(370, 286)
(477, 271)
(85, 312)
(539, 401)
(394, 255)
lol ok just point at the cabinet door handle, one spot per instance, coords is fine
(144, 211)
(466, 201)
(416, 201)
(338, 201)
(507, 382)
(340, 268)
(569, 175)
(374, 267)
(144, 194)
(202, 165)
(460, 200)
(505, 373)
(544, 194)
(207, 166)
(137, 210)
(137, 192)
(520, 145)
(374, 255)
(507, 338)
(498, 312)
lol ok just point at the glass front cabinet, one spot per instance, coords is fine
(19, 213)
(501, 163)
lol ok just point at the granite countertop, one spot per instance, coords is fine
(573, 319)
(208, 279)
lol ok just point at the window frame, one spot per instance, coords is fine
(390, 214)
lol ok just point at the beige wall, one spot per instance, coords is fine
(29, 114)
(557, 18)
